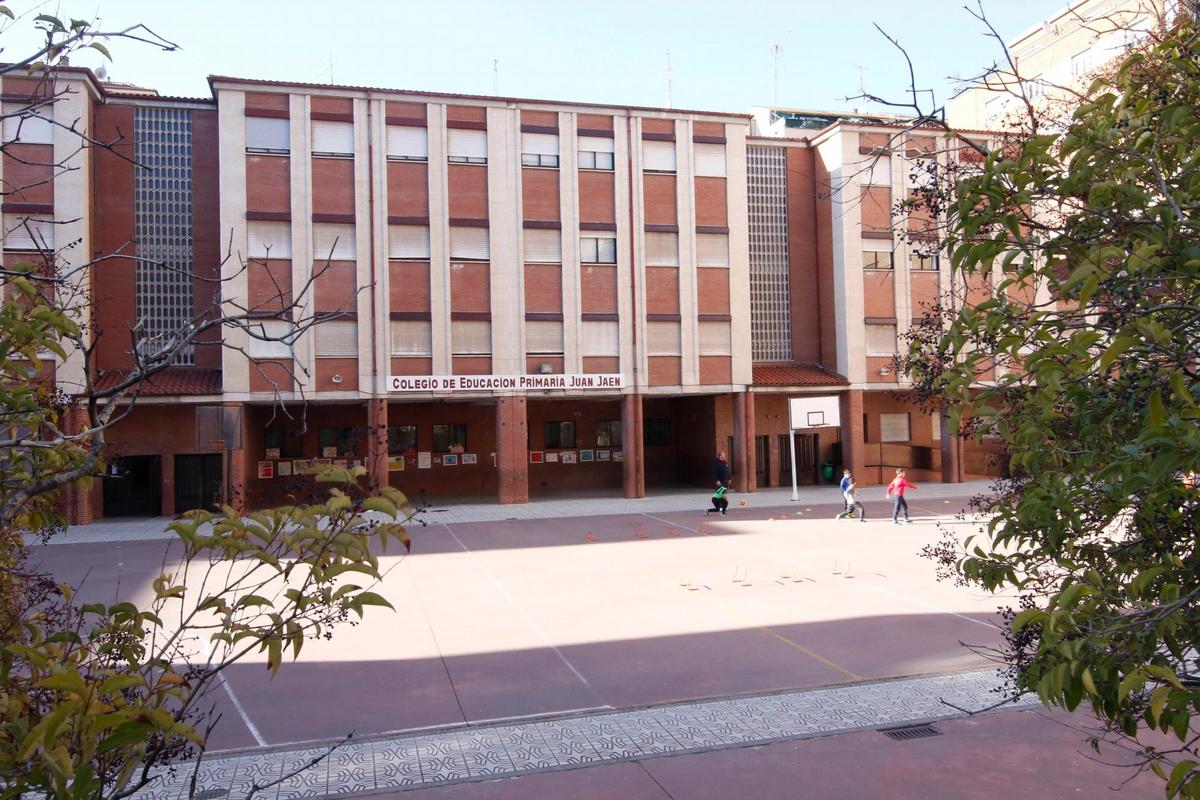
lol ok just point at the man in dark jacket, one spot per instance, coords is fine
(721, 470)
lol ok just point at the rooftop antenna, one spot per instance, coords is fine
(776, 52)
(669, 100)
(862, 89)
(495, 76)
(331, 68)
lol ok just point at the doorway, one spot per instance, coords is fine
(133, 487)
(197, 482)
(762, 458)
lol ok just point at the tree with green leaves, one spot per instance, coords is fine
(1088, 231)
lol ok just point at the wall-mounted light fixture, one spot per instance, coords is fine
(335, 378)
(885, 371)
(546, 368)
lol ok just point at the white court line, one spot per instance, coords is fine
(802, 565)
(528, 620)
(242, 711)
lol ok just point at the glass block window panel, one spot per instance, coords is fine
(407, 143)
(877, 171)
(600, 338)
(894, 428)
(543, 246)
(469, 244)
(770, 289)
(881, 340)
(28, 232)
(412, 337)
(596, 152)
(332, 138)
(333, 242)
(662, 339)
(598, 249)
(270, 339)
(716, 339)
(408, 242)
(28, 125)
(710, 160)
(471, 337)
(269, 239)
(662, 249)
(466, 146)
(544, 337)
(658, 156)
(268, 135)
(336, 339)
(162, 212)
(935, 431)
(539, 149)
(712, 249)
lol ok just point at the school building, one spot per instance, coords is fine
(513, 298)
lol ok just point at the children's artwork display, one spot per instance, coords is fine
(284, 469)
(273, 453)
(424, 460)
(617, 455)
(396, 464)
(586, 455)
(603, 455)
(329, 452)
(470, 458)
(535, 456)
(551, 458)
(266, 469)
(568, 456)
(450, 460)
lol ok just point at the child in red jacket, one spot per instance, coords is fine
(895, 490)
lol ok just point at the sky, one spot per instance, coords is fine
(605, 51)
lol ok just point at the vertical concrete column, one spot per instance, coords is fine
(633, 468)
(743, 442)
(167, 482)
(854, 451)
(773, 454)
(377, 443)
(236, 463)
(952, 468)
(512, 449)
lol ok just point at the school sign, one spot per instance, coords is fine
(505, 383)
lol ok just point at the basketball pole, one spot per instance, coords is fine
(792, 447)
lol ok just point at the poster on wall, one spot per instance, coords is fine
(450, 460)
(586, 455)
(469, 458)
(568, 456)
(535, 456)
(396, 464)
(266, 469)
(329, 452)
(424, 460)
(273, 453)
(340, 462)
(284, 469)
(603, 455)
(551, 458)
(617, 456)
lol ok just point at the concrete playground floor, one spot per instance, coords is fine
(508, 621)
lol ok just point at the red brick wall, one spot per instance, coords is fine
(652, 125)
(543, 287)
(409, 285)
(876, 208)
(824, 253)
(114, 286)
(539, 194)
(879, 293)
(808, 292)
(271, 100)
(716, 369)
(470, 286)
(548, 118)
(711, 201)
(29, 173)
(468, 191)
(924, 290)
(271, 375)
(662, 290)
(596, 197)
(533, 364)
(472, 365)
(411, 365)
(659, 199)
(598, 289)
(708, 129)
(328, 367)
(601, 364)
(269, 284)
(268, 183)
(712, 290)
(206, 227)
(665, 370)
(334, 286)
(332, 105)
(466, 114)
(408, 188)
(333, 185)
(397, 108)
(599, 122)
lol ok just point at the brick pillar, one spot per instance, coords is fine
(854, 451)
(167, 481)
(512, 449)
(236, 458)
(81, 502)
(377, 444)
(633, 468)
(773, 460)
(951, 451)
(743, 442)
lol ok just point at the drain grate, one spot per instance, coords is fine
(210, 794)
(905, 732)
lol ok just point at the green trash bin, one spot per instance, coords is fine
(827, 470)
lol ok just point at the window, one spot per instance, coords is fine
(877, 171)
(929, 261)
(710, 160)
(656, 432)
(543, 246)
(269, 239)
(28, 232)
(469, 244)
(894, 428)
(712, 249)
(881, 340)
(402, 440)
(268, 135)
(412, 337)
(662, 249)
(26, 125)
(716, 339)
(337, 339)
(539, 149)
(342, 440)
(333, 242)
(608, 433)
(878, 259)
(544, 337)
(465, 146)
(598, 249)
(288, 441)
(662, 339)
(559, 436)
(469, 337)
(332, 138)
(407, 143)
(658, 156)
(449, 438)
(600, 338)
(935, 427)
(595, 152)
(408, 242)
(1082, 63)
(270, 339)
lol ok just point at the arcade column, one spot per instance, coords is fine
(854, 449)
(633, 468)
(377, 444)
(512, 449)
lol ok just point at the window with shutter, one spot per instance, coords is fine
(544, 337)
(881, 340)
(332, 138)
(269, 239)
(271, 339)
(662, 339)
(710, 160)
(596, 152)
(333, 242)
(716, 339)
(877, 254)
(712, 249)
(894, 428)
(268, 135)
(338, 338)
(412, 337)
(407, 143)
(662, 249)
(471, 337)
(28, 232)
(469, 244)
(658, 156)
(877, 171)
(598, 250)
(539, 149)
(543, 246)
(466, 146)
(600, 338)
(408, 242)
(27, 126)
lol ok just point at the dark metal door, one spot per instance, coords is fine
(133, 487)
(762, 457)
(197, 482)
